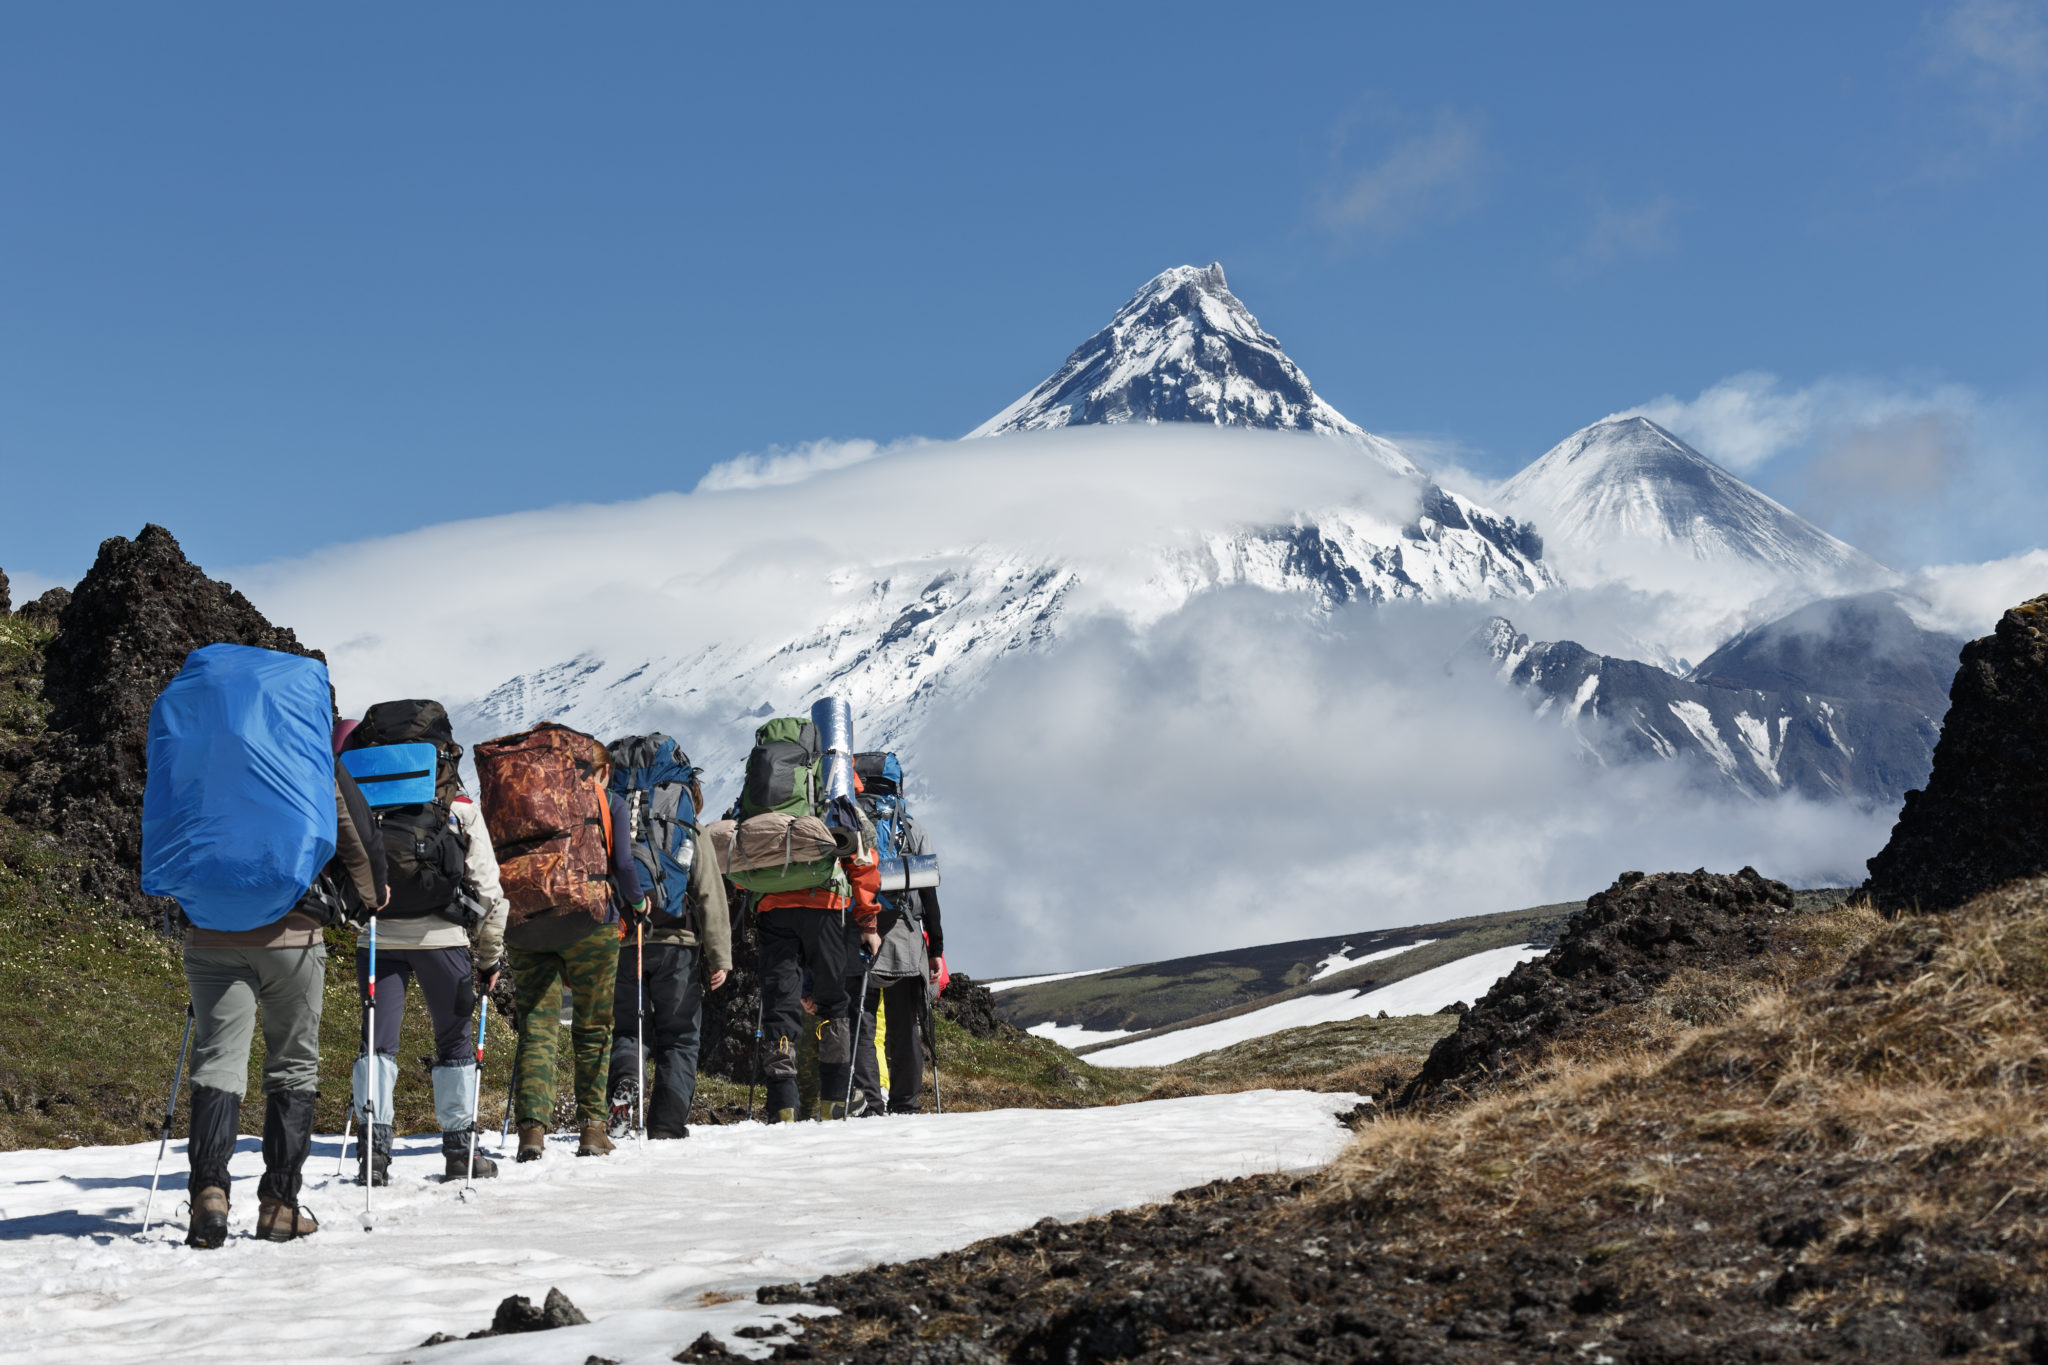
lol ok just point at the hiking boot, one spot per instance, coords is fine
(831, 1110)
(281, 1222)
(459, 1169)
(533, 1141)
(209, 1226)
(596, 1142)
(373, 1158)
(783, 1116)
(625, 1102)
(664, 1134)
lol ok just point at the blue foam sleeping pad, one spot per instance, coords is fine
(238, 814)
(394, 774)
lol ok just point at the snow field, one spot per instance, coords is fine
(1071, 1036)
(646, 1242)
(1014, 982)
(1342, 961)
(1466, 979)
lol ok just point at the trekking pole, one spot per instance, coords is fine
(754, 1076)
(476, 1098)
(640, 1036)
(931, 1020)
(348, 1129)
(366, 1144)
(512, 1085)
(177, 1074)
(860, 1015)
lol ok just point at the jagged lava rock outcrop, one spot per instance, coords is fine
(1628, 940)
(1982, 819)
(124, 634)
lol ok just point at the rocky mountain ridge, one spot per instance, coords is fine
(1842, 699)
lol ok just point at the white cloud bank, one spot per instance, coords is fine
(1238, 769)
(1249, 771)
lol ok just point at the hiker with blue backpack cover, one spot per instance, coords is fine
(252, 826)
(681, 940)
(911, 955)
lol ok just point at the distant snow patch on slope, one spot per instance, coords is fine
(1013, 982)
(1700, 721)
(1756, 737)
(1466, 979)
(1341, 961)
(1073, 1035)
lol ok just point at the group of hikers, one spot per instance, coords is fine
(578, 867)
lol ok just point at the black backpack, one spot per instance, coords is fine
(427, 854)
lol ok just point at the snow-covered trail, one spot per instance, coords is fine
(636, 1240)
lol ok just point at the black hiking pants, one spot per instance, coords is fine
(903, 998)
(790, 942)
(447, 981)
(674, 1016)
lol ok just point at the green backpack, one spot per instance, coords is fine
(785, 777)
(785, 772)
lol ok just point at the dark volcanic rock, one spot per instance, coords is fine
(48, 608)
(1628, 941)
(972, 1006)
(124, 633)
(1983, 819)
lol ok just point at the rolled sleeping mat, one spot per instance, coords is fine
(917, 872)
(834, 719)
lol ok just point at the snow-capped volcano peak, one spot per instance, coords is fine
(1626, 482)
(1184, 349)
(1624, 501)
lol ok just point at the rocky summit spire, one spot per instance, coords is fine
(1184, 349)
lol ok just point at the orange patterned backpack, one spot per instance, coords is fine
(545, 806)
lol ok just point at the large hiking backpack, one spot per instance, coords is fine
(779, 841)
(549, 819)
(238, 812)
(404, 758)
(881, 798)
(653, 776)
(784, 770)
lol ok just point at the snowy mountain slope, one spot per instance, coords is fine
(934, 606)
(1623, 502)
(655, 1245)
(1626, 484)
(1841, 699)
(1184, 349)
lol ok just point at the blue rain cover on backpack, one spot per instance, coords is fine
(238, 814)
(651, 775)
(394, 774)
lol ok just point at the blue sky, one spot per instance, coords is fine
(277, 277)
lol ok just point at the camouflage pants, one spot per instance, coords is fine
(589, 967)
